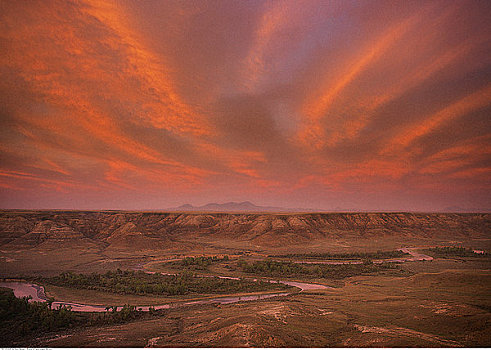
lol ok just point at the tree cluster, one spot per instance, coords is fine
(346, 256)
(20, 318)
(290, 269)
(141, 283)
(456, 251)
(24, 317)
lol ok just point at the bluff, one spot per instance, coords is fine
(121, 228)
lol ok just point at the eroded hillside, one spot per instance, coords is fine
(144, 230)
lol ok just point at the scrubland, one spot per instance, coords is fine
(369, 303)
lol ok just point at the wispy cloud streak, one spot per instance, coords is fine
(300, 104)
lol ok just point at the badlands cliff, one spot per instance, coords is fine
(31, 228)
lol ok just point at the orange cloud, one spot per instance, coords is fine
(417, 76)
(460, 159)
(473, 173)
(76, 81)
(26, 178)
(469, 103)
(55, 167)
(280, 101)
(164, 107)
(312, 134)
(239, 162)
(276, 17)
(473, 147)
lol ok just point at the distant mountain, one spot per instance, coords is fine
(457, 209)
(248, 207)
(238, 207)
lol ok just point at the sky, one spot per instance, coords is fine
(371, 105)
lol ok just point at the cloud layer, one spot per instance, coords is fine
(146, 105)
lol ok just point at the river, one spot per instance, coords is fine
(36, 292)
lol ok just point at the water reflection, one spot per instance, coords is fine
(24, 289)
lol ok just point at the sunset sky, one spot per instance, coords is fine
(373, 105)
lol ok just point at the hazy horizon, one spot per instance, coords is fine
(261, 208)
(370, 105)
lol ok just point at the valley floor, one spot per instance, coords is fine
(441, 303)
(443, 309)
(444, 302)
